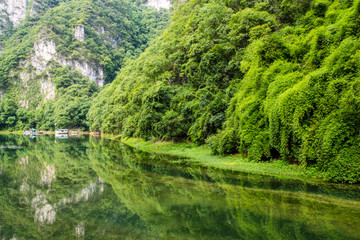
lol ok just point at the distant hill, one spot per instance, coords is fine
(63, 51)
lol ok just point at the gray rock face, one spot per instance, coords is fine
(108, 38)
(95, 74)
(79, 33)
(45, 51)
(14, 9)
(48, 89)
(158, 4)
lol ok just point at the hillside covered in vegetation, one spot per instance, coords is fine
(267, 79)
(56, 56)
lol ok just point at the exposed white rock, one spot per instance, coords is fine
(45, 214)
(64, 201)
(39, 200)
(79, 33)
(15, 9)
(48, 90)
(45, 51)
(47, 87)
(48, 175)
(158, 4)
(114, 42)
(80, 230)
(24, 160)
(25, 77)
(107, 36)
(100, 30)
(24, 103)
(86, 193)
(94, 74)
(33, 12)
(102, 185)
(25, 187)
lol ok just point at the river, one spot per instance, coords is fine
(91, 188)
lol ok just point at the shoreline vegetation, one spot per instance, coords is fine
(236, 162)
(201, 155)
(47, 132)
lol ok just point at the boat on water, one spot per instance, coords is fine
(26, 133)
(61, 133)
(32, 132)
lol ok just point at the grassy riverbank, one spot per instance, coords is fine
(203, 156)
(9, 132)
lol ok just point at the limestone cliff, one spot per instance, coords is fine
(13, 10)
(44, 52)
(158, 4)
(38, 66)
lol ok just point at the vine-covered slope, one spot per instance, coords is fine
(268, 79)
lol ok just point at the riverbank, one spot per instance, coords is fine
(21, 132)
(9, 132)
(202, 155)
(45, 132)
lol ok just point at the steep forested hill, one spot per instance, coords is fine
(268, 79)
(57, 54)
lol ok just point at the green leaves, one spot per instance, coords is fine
(269, 79)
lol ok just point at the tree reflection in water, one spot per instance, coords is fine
(92, 188)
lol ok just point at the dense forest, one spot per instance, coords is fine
(268, 79)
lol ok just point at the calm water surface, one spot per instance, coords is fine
(86, 188)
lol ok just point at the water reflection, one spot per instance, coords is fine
(91, 188)
(47, 174)
(44, 212)
(198, 203)
(61, 136)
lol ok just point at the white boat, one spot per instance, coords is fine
(61, 131)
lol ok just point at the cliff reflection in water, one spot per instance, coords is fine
(92, 188)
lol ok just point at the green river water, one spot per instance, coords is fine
(88, 188)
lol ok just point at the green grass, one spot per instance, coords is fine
(203, 156)
(11, 132)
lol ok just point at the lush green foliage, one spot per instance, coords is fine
(269, 79)
(73, 102)
(114, 32)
